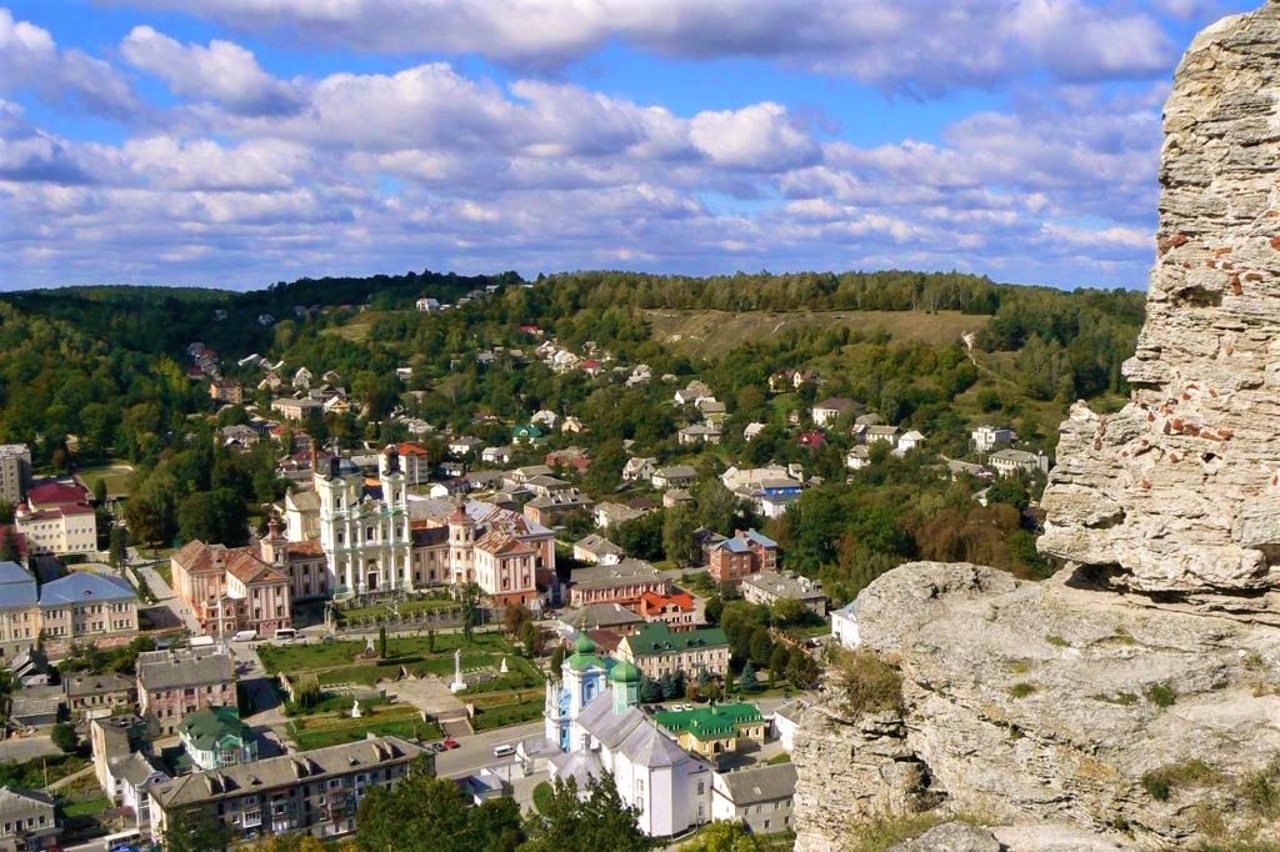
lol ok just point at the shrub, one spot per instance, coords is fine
(1261, 790)
(870, 685)
(1161, 695)
(1160, 783)
(1022, 690)
(1057, 641)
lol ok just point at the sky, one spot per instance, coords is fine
(236, 143)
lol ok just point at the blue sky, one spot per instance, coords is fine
(236, 143)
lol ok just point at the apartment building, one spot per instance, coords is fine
(15, 472)
(81, 605)
(316, 792)
(176, 683)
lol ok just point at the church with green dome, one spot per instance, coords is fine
(592, 715)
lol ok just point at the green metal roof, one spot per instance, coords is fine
(716, 720)
(209, 727)
(657, 638)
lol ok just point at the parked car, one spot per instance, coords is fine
(451, 743)
(437, 747)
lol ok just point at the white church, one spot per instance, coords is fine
(591, 715)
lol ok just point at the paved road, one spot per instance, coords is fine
(167, 598)
(476, 751)
(20, 749)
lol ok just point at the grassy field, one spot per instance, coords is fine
(357, 330)
(708, 334)
(116, 474)
(407, 650)
(399, 720)
(405, 608)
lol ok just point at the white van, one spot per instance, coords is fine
(284, 634)
(245, 636)
(504, 750)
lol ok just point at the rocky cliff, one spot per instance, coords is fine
(1131, 701)
(1178, 494)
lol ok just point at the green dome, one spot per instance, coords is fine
(584, 645)
(624, 672)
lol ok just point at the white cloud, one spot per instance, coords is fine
(758, 137)
(31, 59)
(223, 71)
(919, 46)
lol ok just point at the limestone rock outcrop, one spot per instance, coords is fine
(1132, 701)
(1042, 707)
(1179, 493)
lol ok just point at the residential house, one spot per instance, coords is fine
(111, 739)
(572, 426)
(908, 441)
(175, 683)
(712, 409)
(769, 587)
(613, 514)
(716, 729)
(957, 469)
(858, 457)
(657, 650)
(673, 476)
(763, 797)
(28, 821)
(465, 445)
(227, 390)
(623, 582)
(90, 696)
(239, 436)
(427, 304)
(674, 497)
(753, 430)
(545, 419)
(870, 434)
(497, 455)
(789, 380)
(573, 458)
(302, 379)
(215, 738)
(551, 509)
(827, 412)
(699, 433)
(135, 775)
(415, 462)
(811, 440)
(36, 706)
(786, 721)
(597, 550)
(638, 469)
(523, 475)
(747, 552)
(844, 625)
(525, 434)
(678, 610)
(692, 392)
(1010, 462)
(987, 439)
(614, 618)
(297, 409)
(316, 792)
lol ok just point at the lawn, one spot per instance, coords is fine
(526, 709)
(402, 650)
(86, 807)
(542, 797)
(116, 474)
(399, 720)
